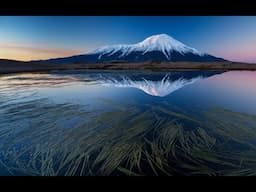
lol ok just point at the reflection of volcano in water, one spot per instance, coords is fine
(161, 86)
(154, 88)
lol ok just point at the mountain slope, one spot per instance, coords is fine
(154, 48)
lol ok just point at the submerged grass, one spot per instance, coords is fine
(130, 141)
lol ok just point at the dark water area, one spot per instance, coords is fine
(128, 123)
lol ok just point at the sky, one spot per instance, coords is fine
(42, 37)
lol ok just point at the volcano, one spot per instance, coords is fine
(156, 48)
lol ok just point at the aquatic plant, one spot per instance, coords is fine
(65, 139)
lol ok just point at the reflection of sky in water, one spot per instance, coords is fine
(233, 90)
(86, 94)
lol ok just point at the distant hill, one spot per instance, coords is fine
(9, 61)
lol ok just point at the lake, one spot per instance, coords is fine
(132, 123)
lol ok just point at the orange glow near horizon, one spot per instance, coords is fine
(27, 53)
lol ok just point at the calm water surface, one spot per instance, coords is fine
(128, 123)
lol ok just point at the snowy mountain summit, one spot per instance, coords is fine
(162, 43)
(156, 48)
(166, 44)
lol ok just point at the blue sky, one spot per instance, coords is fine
(40, 37)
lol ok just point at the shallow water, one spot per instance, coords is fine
(128, 123)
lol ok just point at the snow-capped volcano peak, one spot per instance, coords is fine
(166, 44)
(162, 42)
(159, 42)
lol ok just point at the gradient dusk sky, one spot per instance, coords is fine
(43, 37)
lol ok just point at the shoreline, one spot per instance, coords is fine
(27, 67)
